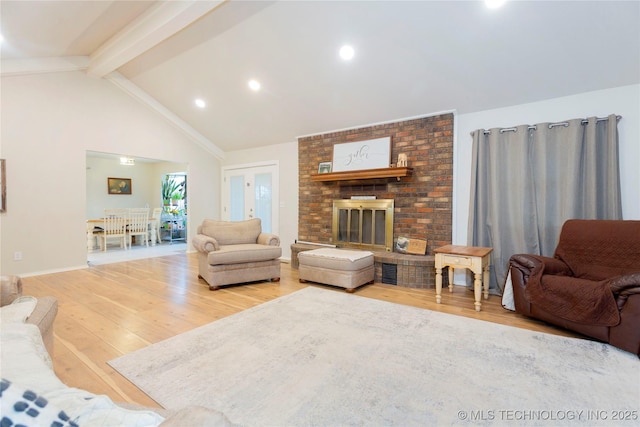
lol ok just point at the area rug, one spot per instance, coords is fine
(326, 358)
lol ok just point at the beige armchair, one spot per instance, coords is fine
(233, 252)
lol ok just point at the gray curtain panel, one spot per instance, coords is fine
(526, 181)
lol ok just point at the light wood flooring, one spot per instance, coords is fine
(107, 311)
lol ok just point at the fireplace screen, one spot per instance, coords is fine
(364, 224)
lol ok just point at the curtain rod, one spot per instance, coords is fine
(551, 125)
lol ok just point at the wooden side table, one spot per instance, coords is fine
(476, 259)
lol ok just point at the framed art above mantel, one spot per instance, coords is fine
(362, 155)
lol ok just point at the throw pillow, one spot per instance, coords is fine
(25, 407)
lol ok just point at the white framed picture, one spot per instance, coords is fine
(324, 167)
(360, 155)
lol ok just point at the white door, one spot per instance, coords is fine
(251, 191)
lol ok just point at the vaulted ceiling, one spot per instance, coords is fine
(411, 58)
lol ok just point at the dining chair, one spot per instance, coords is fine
(138, 225)
(115, 223)
(157, 217)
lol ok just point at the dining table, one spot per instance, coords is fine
(99, 222)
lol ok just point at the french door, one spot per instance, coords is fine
(251, 191)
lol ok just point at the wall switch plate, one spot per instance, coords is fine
(17, 256)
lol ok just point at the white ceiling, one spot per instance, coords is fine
(412, 58)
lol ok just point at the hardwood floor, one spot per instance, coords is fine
(107, 311)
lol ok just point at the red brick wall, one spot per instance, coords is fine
(422, 202)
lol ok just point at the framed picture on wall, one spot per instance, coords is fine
(324, 167)
(119, 185)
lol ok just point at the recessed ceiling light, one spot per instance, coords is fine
(254, 85)
(346, 52)
(494, 4)
(200, 103)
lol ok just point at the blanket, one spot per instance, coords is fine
(554, 289)
(578, 300)
(595, 261)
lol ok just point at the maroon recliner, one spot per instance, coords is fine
(590, 286)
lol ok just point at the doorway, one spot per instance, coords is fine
(252, 191)
(172, 219)
(146, 176)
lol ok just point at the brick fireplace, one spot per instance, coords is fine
(422, 200)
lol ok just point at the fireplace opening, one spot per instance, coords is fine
(364, 224)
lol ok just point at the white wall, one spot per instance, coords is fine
(624, 101)
(287, 156)
(98, 198)
(49, 122)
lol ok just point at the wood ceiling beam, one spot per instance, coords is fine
(158, 23)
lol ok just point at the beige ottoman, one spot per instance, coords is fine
(338, 267)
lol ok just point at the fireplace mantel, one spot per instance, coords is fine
(363, 174)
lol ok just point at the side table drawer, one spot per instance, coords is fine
(462, 261)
